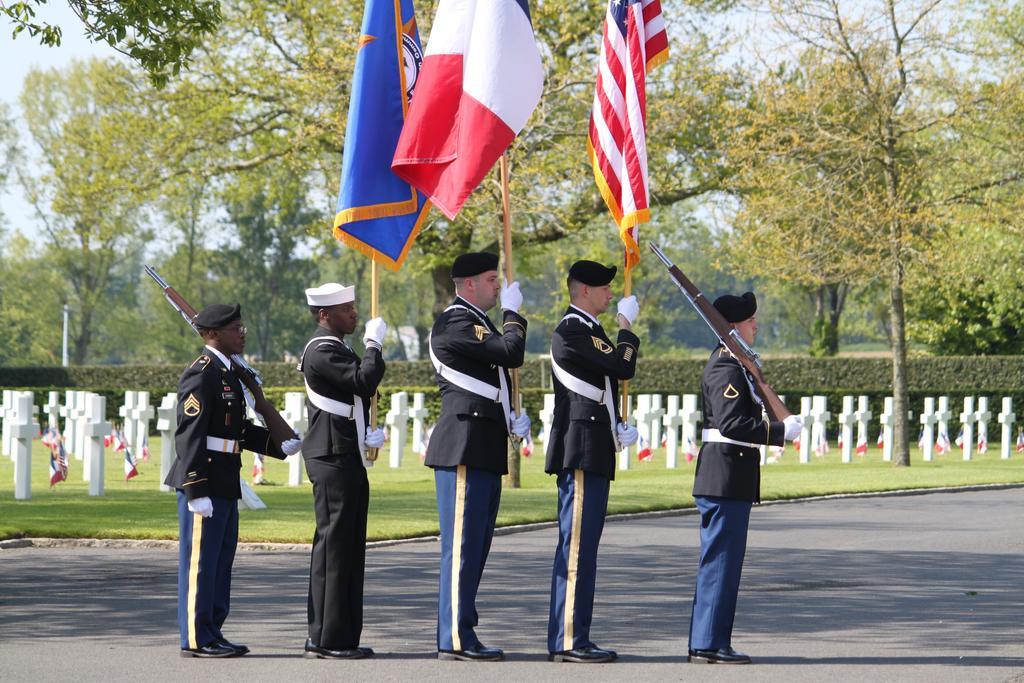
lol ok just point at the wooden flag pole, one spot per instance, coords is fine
(506, 222)
(371, 453)
(624, 386)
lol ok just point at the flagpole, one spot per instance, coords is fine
(624, 385)
(371, 453)
(506, 222)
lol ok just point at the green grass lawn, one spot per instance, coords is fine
(402, 500)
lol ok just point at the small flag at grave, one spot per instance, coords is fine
(1020, 440)
(528, 445)
(129, 461)
(644, 454)
(58, 464)
(145, 448)
(257, 468)
(796, 444)
(839, 439)
(942, 443)
(862, 444)
(108, 440)
(49, 438)
(821, 448)
(881, 438)
(691, 449)
(982, 442)
(960, 439)
(920, 439)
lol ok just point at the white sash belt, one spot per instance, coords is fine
(472, 384)
(339, 408)
(715, 436)
(588, 390)
(216, 443)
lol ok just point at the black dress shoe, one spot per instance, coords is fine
(582, 655)
(723, 655)
(367, 651)
(239, 649)
(313, 651)
(477, 653)
(214, 649)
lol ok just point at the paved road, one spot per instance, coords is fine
(915, 588)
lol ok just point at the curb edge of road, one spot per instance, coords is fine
(14, 543)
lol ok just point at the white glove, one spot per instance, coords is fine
(629, 309)
(627, 434)
(202, 506)
(793, 423)
(520, 423)
(374, 438)
(511, 297)
(376, 328)
(291, 446)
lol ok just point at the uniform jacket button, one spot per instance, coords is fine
(476, 414)
(591, 418)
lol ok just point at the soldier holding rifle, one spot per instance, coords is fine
(741, 412)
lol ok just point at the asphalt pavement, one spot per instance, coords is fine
(906, 588)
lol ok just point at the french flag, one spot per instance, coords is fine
(481, 79)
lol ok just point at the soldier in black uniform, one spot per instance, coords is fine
(339, 386)
(727, 482)
(468, 448)
(212, 430)
(586, 433)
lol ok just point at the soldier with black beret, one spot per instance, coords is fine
(727, 482)
(586, 432)
(212, 431)
(468, 448)
(339, 387)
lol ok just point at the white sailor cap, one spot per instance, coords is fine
(330, 294)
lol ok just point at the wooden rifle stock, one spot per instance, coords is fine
(727, 335)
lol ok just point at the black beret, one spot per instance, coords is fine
(592, 273)
(216, 316)
(474, 263)
(736, 309)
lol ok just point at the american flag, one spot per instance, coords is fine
(634, 42)
(257, 469)
(129, 461)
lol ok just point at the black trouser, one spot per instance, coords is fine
(341, 495)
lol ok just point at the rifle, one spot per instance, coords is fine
(728, 336)
(249, 376)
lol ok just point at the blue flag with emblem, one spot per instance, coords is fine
(379, 213)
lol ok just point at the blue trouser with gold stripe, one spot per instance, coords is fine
(467, 505)
(206, 553)
(723, 543)
(582, 503)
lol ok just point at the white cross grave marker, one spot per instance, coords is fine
(547, 416)
(23, 428)
(141, 415)
(295, 415)
(398, 419)
(127, 412)
(7, 413)
(942, 415)
(642, 415)
(67, 411)
(928, 420)
(81, 399)
(624, 453)
(672, 421)
(982, 415)
(94, 430)
(691, 416)
(819, 430)
(863, 416)
(167, 424)
(847, 419)
(967, 419)
(655, 414)
(806, 432)
(418, 414)
(1006, 419)
(886, 419)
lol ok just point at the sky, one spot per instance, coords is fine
(19, 56)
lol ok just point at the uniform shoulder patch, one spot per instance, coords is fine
(192, 407)
(202, 362)
(730, 392)
(480, 331)
(601, 345)
(628, 354)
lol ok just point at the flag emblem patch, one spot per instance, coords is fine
(192, 407)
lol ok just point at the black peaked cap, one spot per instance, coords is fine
(592, 273)
(215, 316)
(474, 263)
(736, 309)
